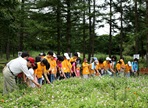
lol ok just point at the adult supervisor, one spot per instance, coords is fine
(13, 68)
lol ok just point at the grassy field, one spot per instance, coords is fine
(104, 92)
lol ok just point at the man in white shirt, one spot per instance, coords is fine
(13, 68)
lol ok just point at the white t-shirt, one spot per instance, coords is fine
(31, 84)
(19, 65)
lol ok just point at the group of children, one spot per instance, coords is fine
(51, 67)
(109, 67)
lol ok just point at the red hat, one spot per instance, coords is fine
(31, 60)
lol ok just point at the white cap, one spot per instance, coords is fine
(66, 55)
(54, 55)
(95, 59)
(107, 58)
(78, 54)
(41, 54)
(129, 63)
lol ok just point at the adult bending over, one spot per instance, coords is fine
(13, 68)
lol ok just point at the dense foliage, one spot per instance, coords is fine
(112, 92)
(71, 25)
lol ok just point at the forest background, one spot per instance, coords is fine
(71, 25)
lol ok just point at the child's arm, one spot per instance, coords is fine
(45, 74)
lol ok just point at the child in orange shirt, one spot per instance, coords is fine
(41, 69)
(128, 69)
(85, 71)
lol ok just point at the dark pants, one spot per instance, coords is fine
(67, 75)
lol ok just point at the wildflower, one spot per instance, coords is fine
(135, 93)
(2, 100)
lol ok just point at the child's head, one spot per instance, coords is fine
(113, 58)
(85, 60)
(100, 60)
(135, 60)
(119, 62)
(44, 62)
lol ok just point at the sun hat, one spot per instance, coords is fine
(66, 55)
(107, 58)
(42, 54)
(31, 60)
(54, 55)
(95, 59)
(78, 54)
(129, 63)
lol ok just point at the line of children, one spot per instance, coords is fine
(52, 67)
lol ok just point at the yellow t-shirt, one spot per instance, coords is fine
(106, 65)
(53, 65)
(118, 66)
(72, 59)
(85, 67)
(91, 71)
(122, 64)
(66, 66)
(99, 66)
(127, 68)
(40, 70)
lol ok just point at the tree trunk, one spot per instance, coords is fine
(68, 30)
(147, 32)
(110, 30)
(1, 47)
(121, 29)
(90, 31)
(58, 28)
(136, 29)
(84, 33)
(142, 53)
(94, 19)
(8, 45)
(21, 34)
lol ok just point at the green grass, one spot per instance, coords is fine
(105, 92)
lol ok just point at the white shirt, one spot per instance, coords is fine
(32, 74)
(19, 65)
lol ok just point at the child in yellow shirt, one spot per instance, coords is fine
(85, 69)
(128, 69)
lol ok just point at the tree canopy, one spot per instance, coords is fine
(71, 25)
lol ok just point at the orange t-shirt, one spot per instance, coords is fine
(99, 66)
(118, 66)
(66, 66)
(127, 68)
(40, 70)
(85, 67)
(72, 59)
(106, 65)
(91, 71)
(53, 64)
